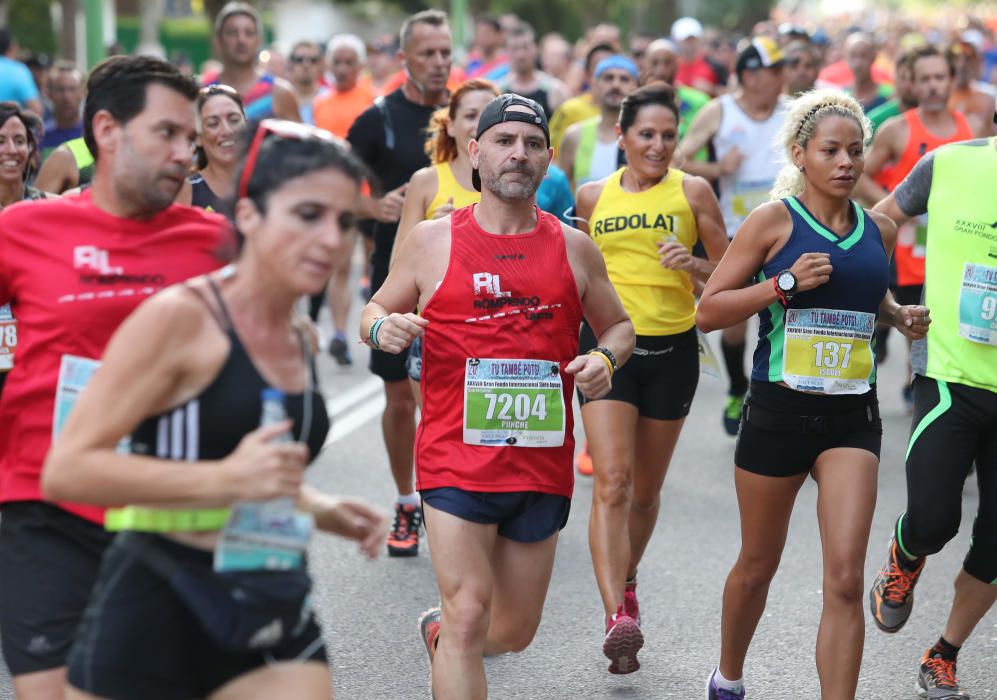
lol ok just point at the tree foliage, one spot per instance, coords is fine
(30, 22)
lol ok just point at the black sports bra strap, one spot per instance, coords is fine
(219, 318)
(308, 355)
(228, 325)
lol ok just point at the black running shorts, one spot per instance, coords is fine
(784, 431)
(49, 560)
(660, 378)
(139, 640)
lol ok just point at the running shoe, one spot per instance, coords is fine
(732, 413)
(891, 597)
(937, 680)
(630, 605)
(715, 692)
(584, 461)
(623, 641)
(429, 629)
(403, 540)
(340, 351)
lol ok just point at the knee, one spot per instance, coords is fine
(465, 617)
(645, 500)
(511, 640)
(614, 487)
(927, 534)
(399, 401)
(844, 584)
(755, 572)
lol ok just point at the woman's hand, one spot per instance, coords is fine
(260, 469)
(675, 256)
(811, 271)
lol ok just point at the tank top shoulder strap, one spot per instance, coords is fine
(222, 308)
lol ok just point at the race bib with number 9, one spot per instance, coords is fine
(828, 351)
(978, 304)
(8, 338)
(513, 402)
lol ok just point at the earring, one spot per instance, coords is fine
(800, 167)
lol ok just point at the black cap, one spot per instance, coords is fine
(496, 112)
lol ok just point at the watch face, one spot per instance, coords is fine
(786, 281)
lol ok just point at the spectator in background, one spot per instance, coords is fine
(485, 57)
(382, 62)
(66, 90)
(556, 56)
(304, 73)
(639, 41)
(802, 67)
(583, 106)
(860, 54)
(16, 83)
(523, 77)
(238, 37)
(352, 93)
(694, 70)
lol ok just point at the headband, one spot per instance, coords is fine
(616, 61)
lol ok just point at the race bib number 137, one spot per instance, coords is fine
(513, 402)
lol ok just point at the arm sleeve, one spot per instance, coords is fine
(911, 195)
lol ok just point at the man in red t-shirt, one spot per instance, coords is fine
(502, 287)
(694, 70)
(72, 269)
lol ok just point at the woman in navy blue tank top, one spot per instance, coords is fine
(205, 591)
(820, 268)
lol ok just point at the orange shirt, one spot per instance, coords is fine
(336, 111)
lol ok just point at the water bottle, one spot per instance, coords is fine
(279, 512)
(274, 412)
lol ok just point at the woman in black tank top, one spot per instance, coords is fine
(221, 119)
(208, 576)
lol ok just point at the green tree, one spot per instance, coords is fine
(30, 22)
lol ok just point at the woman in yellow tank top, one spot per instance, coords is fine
(435, 191)
(645, 218)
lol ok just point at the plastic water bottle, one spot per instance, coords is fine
(274, 412)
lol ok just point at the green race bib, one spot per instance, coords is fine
(513, 402)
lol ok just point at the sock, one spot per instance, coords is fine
(734, 361)
(944, 650)
(632, 579)
(409, 499)
(339, 335)
(733, 686)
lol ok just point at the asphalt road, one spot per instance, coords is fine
(369, 609)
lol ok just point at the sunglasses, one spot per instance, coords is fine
(217, 89)
(280, 128)
(302, 59)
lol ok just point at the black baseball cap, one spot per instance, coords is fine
(497, 111)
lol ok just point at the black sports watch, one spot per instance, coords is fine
(785, 282)
(602, 350)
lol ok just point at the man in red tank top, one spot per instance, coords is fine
(898, 145)
(503, 287)
(73, 268)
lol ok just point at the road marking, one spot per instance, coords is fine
(352, 409)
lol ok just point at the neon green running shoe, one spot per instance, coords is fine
(732, 413)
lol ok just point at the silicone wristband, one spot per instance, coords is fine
(605, 359)
(372, 335)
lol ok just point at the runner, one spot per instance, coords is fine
(17, 144)
(502, 287)
(802, 66)
(305, 71)
(645, 219)
(904, 96)
(662, 65)
(523, 77)
(740, 128)
(69, 166)
(955, 402)
(66, 89)
(389, 138)
(860, 54)
(220, 123)
(898, 145)
(70, 286)
(202, 356)
(590, 150)
(822, 265)
(238, 39)
(438, 190)
(580, 107)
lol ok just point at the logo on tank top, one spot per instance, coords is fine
(486, 285)
(88, 257)
(94, 265)
(634, 222)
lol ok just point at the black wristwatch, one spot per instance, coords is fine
(785, 283)
(609, 355)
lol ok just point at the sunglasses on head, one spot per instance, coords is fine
(280, 128)
(302, 59)
(217, 89)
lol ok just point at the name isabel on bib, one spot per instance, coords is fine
(513, 402)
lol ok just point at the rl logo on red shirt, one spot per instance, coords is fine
(487, 283)
(92, 258)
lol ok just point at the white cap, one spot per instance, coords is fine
(686, 27)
